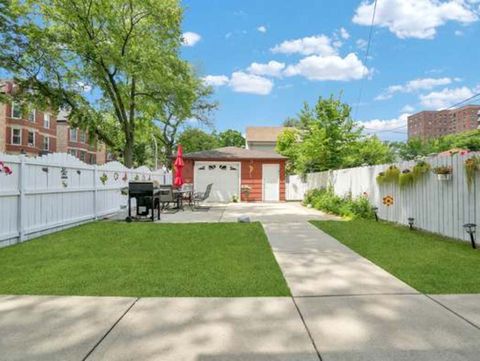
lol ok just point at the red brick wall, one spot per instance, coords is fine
(25, 125)
(252, 178)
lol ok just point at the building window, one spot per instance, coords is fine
(83, 136)
(82, 156)
(31, 138)
(46, 143)
(16, 111)
(73, 135)
(46, 120)
(72, 152)
(16, 136)
(31, 116)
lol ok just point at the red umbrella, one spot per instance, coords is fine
(179, 164)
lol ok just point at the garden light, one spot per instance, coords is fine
(375, 210)
(411, 220)
(470, 229)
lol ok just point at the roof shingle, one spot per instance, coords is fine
(233, 153)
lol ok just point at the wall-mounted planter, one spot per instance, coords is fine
(444, 177)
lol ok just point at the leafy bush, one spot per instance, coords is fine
(326, 200)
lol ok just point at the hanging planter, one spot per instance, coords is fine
(406, 178)
(115, 176)
(391, 175)
(444, 173)
(472, 164)
(420, 169)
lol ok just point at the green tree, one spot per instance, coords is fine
(324, 139)
(190, 101)
(369, 151)
(415, 148)
(195, 140)
(127, 51)
(231, 138)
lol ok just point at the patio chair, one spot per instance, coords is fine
(166, 196)
(187, 188)
(201, 196)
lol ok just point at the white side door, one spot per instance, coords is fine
(271, 182)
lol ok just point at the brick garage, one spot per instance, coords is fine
(230, 168)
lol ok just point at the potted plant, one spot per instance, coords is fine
(246, 190)
(381, 178)
(406, 178)
(235, 198)
(472, 164)
(420, 168)
(444, 173)
(392, 174)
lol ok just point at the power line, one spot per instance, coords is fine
(365, 60)
(463, 101)
(385, 130)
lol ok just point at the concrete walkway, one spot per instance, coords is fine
(354, 310)
(343, 308)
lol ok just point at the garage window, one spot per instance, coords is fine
(223, 167)
(212, 167)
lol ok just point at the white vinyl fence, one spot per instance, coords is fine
(441, 207)
(56, 191)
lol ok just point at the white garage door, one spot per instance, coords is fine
(225, 177)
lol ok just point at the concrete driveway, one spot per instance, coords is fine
(343, 307)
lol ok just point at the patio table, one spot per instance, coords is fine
(180, 195)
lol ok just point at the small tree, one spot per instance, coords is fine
(231, 138)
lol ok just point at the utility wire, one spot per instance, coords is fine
(365, 60)
(463, 101)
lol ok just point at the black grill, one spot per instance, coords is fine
(147, 196)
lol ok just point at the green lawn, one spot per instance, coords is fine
(145, 259)
(427, 262)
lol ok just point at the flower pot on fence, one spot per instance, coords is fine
(444, 177)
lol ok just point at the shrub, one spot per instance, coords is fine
(326, 200)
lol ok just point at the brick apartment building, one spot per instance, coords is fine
(433, 124)
(36, 132)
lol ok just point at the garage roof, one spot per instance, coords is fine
(233, 153)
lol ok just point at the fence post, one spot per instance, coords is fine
(95, 191)
(21, 199)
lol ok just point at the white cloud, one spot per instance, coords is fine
(216, 80)
(445, 98)
(318, 44)
(262, 28)
(272, 68)
(332, 67)
(413, 86)
(190, 38)
(458, 33)
(250, 83)
(383, 125)
(361, 44)
(407, 109)
(344, 34)
(391, 129)
(415, 18)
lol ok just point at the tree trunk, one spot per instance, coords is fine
(128, 151)
(168, 155)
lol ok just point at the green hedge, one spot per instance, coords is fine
(326, 200)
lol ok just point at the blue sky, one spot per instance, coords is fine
(265, 58)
